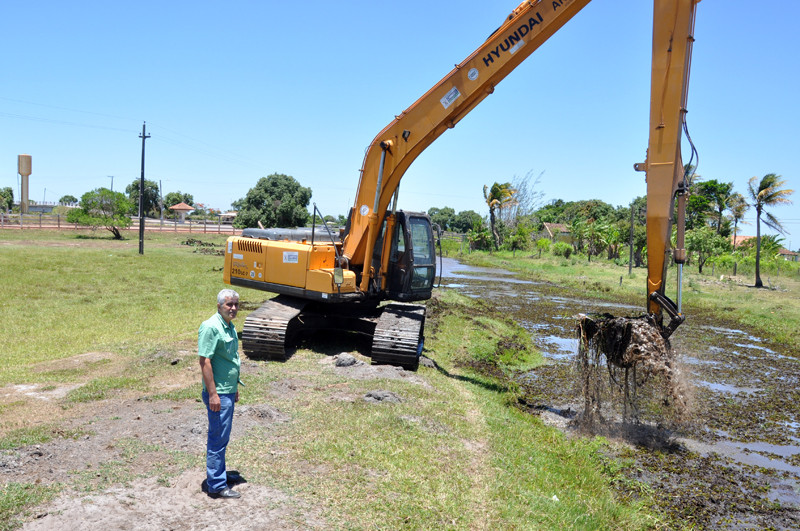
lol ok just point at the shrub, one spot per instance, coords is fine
(562, 249)
(543, 244)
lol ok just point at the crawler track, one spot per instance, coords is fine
(267, 329)
(396, 329)
(398, 335)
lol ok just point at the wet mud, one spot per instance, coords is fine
(731, 461)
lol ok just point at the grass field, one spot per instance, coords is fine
(454, 454)
(74, 293)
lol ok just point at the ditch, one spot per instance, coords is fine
(732, 462)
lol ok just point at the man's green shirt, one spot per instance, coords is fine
(217, 341)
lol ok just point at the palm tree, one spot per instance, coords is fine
(719, 196)
(738, 206)
(766, 193)
(497, 197)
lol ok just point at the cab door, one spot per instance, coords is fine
(412, 264)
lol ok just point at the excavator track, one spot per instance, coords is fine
(267, 329)
(396, 329)
(398, 335)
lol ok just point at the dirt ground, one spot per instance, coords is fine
(113, 449)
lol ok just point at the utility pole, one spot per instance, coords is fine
(630, 245)
(112, 182)
(144, 136)
(161, 201)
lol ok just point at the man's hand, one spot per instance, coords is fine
(213, 402)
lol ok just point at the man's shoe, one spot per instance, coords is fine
(225, 493)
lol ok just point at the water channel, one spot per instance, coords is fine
(745, 418)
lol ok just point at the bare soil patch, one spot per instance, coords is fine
(131, 462)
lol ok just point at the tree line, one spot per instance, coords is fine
(102, 207)
(516, 220)
(594, 229)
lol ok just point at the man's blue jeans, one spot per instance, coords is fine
(219, 433)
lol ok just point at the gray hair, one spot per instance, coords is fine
(226, 294)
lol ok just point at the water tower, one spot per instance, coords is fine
(24, 169)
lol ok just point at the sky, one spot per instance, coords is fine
(234, 91)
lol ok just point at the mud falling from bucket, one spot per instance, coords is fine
(626, 362)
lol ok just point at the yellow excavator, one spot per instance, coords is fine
(341, 281)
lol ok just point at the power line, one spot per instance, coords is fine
(62, 122)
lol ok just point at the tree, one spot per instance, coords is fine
(614, 235)
(480, 238)
(150, 205)
(442, 216)
(526, 198)
(706, 243)
(465, 220)
(277, 200)
(520, 239)
(173, 198)
(719, 196)
(766, 193)
(103, 208)
(598, 233)
(639, 245)
(497, 197)
(698, 208)
(737, 205)
(579, 229)
(550, 213)
(587, 210)
(636, 222)
(542, 244)
(6, 198)
(68, 200)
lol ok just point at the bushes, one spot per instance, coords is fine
(562, 249)
(543, 245)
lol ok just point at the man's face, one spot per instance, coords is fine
(229, 308)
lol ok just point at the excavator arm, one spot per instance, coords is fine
(533, 22)
(673, 35)
(394, 149)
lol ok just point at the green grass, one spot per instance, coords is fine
(101, 295)
(471, 332)
(16, 499)
(100, 388)
(35, 435)
(450, 455)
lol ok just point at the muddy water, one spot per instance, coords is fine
(735, 464)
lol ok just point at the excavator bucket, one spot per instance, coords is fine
(627, 351)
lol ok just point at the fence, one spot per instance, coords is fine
(59, 222)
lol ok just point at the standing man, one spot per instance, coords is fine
(218, 347)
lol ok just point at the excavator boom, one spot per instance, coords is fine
(394, 149)
(673, 35)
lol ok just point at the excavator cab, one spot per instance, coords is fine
(412, 259)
